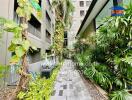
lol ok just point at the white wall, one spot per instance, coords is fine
(76, 22)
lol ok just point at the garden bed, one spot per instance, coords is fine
(96, 92)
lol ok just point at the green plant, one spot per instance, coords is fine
(3, 69)
(110, 60)
(100, 74)
(120, 95)
(66, 53)
(19, 44)
(41, 88)
(58, 38)
(63, 9)
(83, 59)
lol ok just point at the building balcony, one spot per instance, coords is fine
(31, 29)
(48, 37)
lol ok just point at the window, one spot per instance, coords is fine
(48, 19)
(65, 34)
(65, 42)
(81, 3)
(48, 36)
(88, 3)
(81, 12)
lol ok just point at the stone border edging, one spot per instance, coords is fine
(100, 90)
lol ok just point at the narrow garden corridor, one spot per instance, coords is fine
(66, 49)
(71, 86)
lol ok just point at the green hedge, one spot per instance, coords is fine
(41, 88)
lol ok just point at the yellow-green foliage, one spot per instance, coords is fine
(59, 37)
(40, 88)
(3, 69)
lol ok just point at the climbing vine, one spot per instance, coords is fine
(41, 88)
(63, 9)
(19, 45)
(59, 37)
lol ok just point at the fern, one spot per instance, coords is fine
(90, 72)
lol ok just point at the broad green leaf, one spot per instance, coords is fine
(14, 59)
(120, 95)
(34, 48)
(24, 26)
(12, 47)
(21, 95)
(10, 24)
(26, 44)
(18, 34)
(130, 44)
(20, 12)
(19, 51)
(17, 40)
(21, 4)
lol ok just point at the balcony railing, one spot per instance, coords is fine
(34, 31)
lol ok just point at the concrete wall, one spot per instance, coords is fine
(7, 11)
(89, 30)
(76, 21)
(47, 7)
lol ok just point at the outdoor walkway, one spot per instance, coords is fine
(70, 86)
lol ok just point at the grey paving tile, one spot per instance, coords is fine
(69, 85)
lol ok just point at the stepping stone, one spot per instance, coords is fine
(71, 86)
(64, 86)
(58, 98)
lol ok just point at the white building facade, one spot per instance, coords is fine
(81, 7)
(40, 30)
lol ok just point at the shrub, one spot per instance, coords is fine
(41, 88)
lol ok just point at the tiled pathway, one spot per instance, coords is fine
(70, 86)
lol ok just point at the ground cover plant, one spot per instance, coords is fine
(109, 62)
(41, 88)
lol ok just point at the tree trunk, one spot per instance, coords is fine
(24, 77)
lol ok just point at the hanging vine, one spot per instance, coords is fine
(63, 9)
(59, 37)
